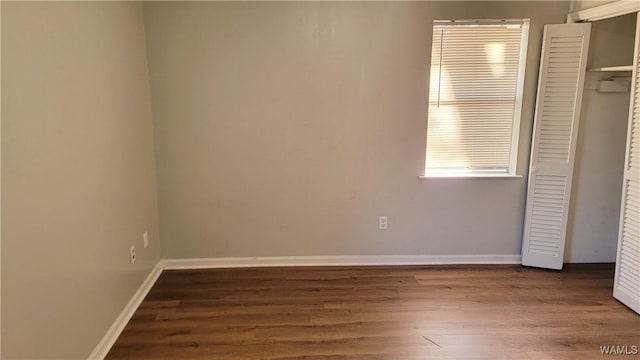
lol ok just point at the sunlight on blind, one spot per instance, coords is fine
(474, 75)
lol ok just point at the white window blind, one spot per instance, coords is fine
(477, 70)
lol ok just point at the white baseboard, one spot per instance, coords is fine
(349, 260)
(103, 347)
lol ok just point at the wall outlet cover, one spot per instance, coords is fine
(132, 254)
(383, 223)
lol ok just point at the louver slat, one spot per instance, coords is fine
(628, 274)
(627, 281)
(557, 112)
(547, 215)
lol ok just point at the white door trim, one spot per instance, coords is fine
(606, 11)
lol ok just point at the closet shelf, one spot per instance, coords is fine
(614, 68)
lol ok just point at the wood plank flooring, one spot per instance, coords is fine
(401, 312)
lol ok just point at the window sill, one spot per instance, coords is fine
(470, 176)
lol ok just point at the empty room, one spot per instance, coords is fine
(320, 180)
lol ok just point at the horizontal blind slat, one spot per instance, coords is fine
(474, 74)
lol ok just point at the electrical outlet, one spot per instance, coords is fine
(132, 254)
(145, 239)
(382, 223)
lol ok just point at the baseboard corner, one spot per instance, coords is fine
(102, 348)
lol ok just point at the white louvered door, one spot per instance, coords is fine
(627, 280)
(560, 85)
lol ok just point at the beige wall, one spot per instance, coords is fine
(78, 171)
(288, 128)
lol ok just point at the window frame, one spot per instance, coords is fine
(511, 171)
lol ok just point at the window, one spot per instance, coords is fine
(475, 97)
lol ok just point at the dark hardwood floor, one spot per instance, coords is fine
(436, 312)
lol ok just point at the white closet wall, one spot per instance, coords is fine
(592, 228)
